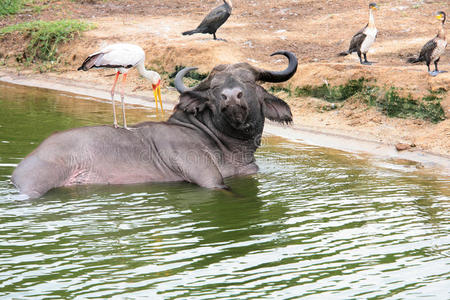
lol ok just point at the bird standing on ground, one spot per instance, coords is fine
(364, 38)
(213, 20)
(431, 52)
(123, 57)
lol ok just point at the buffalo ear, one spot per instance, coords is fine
(192, 102)
(276, 109)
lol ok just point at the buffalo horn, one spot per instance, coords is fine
(179, 85)
(280, 76)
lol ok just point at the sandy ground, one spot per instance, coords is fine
(315, 30)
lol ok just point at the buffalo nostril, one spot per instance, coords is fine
(224, 108)
(239, 95)
(224, 97)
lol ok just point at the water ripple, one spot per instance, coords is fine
(312, 223)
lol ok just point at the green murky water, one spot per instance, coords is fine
(314, 223)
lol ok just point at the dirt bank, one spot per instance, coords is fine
(314, 30)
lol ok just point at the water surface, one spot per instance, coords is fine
(314, 223)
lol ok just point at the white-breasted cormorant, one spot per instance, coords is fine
(213, 20)
(431, 52)
(364, 38)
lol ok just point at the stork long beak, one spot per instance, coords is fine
(157, 94)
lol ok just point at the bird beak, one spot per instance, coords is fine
(439, 16)
(375, 7)
(157, 94)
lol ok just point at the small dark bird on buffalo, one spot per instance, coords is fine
(364, 38)
(431, 52)
(213, 20)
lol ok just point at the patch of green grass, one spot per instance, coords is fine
(45, 37)
(278, 89)
(157, 65)
(428, 108)
(38, 8)
(333, 93)
(435, 95)
(387, 101)
(194, 77)
(10, 7)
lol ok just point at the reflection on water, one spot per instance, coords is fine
(313, 223)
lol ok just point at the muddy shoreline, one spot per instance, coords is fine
(299, 133)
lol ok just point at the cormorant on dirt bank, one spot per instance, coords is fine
(213, 20)
(364, 38)
(123, 57)
(431, 52)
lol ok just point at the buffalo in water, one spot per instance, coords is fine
(212, 134)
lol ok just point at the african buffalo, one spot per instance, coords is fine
(213, 133)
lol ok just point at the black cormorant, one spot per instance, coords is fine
(213, 20)
(431, 52)
(364, 38)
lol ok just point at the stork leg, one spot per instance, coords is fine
(214, 35)
(112, 99)
(122, 97)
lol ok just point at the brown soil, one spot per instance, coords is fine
(316, 30)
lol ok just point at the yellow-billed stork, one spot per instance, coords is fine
(123, 57)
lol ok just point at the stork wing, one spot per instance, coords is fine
(120, 56)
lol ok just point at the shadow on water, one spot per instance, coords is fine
(313, 222)
(223, 209)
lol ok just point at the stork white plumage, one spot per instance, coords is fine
(123, 57)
